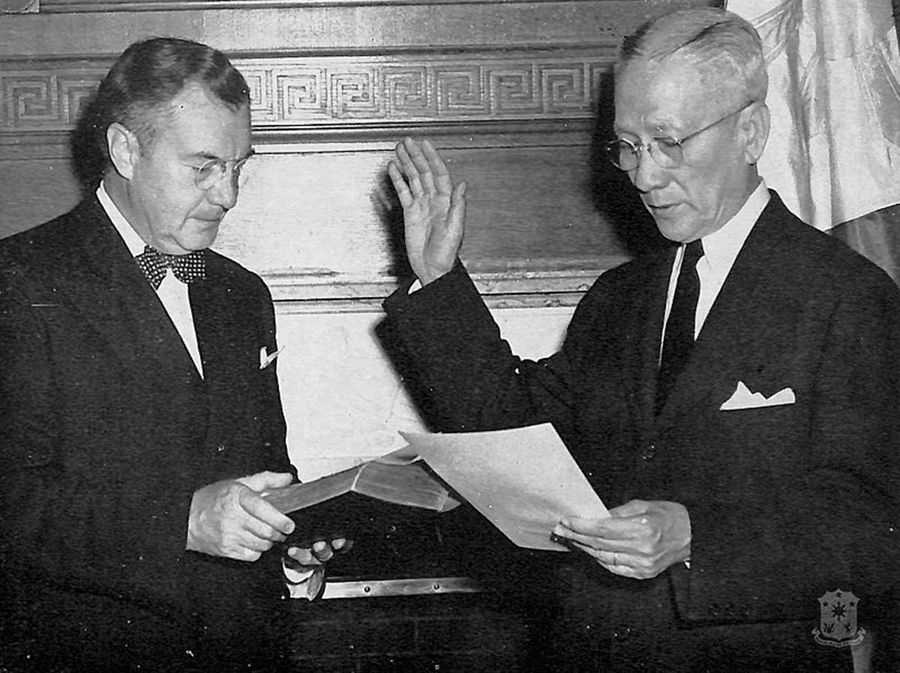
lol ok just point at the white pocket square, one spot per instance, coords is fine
(742, 398)
(266, 358)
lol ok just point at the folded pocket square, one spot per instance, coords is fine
(266, 358)
(742, 398)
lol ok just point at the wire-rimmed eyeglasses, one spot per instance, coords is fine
(667, 151)
(210, 172)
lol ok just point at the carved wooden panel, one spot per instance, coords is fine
(295, 94)
(49, 97)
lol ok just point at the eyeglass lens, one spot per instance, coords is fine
(625, 155)
(210, 173)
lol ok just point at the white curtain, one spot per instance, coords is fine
(834, 150)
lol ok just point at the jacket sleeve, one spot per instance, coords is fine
(452, 354)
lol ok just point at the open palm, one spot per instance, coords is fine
(433, 209)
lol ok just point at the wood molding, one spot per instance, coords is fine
(19, 6)
(476, 87)
(334, 94)
(306, 293)
(91, 28)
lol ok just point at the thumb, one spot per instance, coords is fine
(630, 508)
(263, 481)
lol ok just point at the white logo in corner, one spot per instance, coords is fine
(837, 620)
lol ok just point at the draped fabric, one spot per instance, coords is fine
(834, 149)
(834, 65)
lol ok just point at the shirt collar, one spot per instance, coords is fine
(134, 242)
(721, 247)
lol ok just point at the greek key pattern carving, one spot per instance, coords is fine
(297, 93)
(43, 100)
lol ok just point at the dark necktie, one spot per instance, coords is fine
(186, 268)
(679, 338)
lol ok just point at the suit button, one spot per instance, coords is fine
(649, 452)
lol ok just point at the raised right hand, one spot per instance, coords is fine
(433, 209)
(230, 518)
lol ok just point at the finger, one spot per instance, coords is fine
(255, 542)
(303, 556)
(409, 170)
(322, 551)
(400, 185)
(630, 508)
(438, 168)
(259, 535)
(264, 512)
(457, 214)
(339, 543)
(622, 545)
(262, 481)
(246, 554)
(422, 165)
(616, 562)
(586, 548)
(609, 528)
(605, 557)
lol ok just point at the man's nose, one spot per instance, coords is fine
(648, 174)
(225, 192)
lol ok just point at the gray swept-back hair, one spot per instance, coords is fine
(720, 44)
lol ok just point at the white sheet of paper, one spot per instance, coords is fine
(522, 480)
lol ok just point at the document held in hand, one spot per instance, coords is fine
(522, 480)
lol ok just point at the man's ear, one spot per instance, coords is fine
(124, 149)
(755, 125)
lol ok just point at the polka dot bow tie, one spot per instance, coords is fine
(187, 268)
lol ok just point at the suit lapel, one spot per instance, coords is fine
(639, 367)
(108, 290)
(738, 327)
(226, 346)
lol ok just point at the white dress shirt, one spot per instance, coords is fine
(172, 292)
(720, 249)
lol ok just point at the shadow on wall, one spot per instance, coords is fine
(613, 194)
(88, 159)
(386, 205)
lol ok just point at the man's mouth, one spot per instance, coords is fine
(661, 208)
(209, 221)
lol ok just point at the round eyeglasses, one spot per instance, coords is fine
(667, 151)
(210, 173)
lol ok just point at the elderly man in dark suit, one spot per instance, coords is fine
(735, 397)
(141, 416)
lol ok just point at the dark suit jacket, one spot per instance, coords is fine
(107, 430)
(786, 502)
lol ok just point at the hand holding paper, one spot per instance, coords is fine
(522, 480)
(640, 539)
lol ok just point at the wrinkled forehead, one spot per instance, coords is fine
(669, 95)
